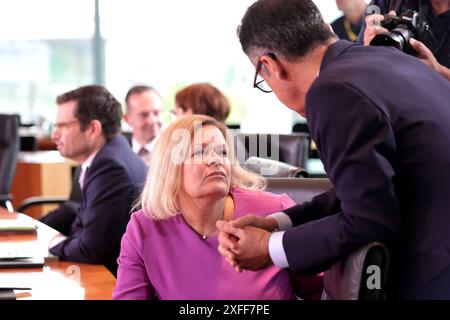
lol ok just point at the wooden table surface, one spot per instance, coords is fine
(57, 279)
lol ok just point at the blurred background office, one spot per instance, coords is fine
(349, 25)
(50, 46)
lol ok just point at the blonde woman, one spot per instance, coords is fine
(169, 250)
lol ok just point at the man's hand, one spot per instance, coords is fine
(56, 240)
(266, 223)
(427, 57)
(373, 26)
(244, 248)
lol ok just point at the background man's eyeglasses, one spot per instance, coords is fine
(62, 125)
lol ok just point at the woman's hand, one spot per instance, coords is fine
(244, 248)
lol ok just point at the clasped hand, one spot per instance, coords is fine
(244, 242)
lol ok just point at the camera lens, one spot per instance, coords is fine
(398, 38)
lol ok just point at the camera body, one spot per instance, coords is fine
(401, 29)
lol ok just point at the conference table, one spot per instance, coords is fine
(55, 280)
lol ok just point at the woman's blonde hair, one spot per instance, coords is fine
(159, 199)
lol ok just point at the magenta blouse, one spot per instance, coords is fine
(168, 260)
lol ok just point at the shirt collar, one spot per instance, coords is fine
(136, 146)
(89, 160)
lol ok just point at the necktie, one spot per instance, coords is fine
(144, 154)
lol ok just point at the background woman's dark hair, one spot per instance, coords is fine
(95, 103)
(291, 28)
(203, 98)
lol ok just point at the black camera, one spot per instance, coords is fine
(401, 29)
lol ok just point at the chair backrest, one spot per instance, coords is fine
(363, 275)
(299, 190)
(300, 127)
(9, 149)
(70, 203)
(28, 143)
(289, 148)
(272, 168)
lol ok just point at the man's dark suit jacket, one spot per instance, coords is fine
(61, 218)
(381, 121)
(111, 184)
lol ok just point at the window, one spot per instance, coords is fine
(46, 48)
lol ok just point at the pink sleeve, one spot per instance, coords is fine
(132, 279)
(286, 202)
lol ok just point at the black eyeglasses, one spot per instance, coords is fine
(262, 84)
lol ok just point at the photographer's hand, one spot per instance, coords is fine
(373, 26)
(427, 57)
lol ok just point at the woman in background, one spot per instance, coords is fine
(202, 98)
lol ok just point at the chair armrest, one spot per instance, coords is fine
(35, 201)
(274, 168)
(350, 278)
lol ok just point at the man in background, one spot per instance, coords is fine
(144, 116)
(348, 26)
(433, 46)
(87, 131)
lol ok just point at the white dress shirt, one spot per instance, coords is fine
(276, 249)
(136, 146)
(85, 166)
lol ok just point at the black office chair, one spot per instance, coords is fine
(233, 126)
(303, 127)
(73, 201)
(300, 127)
(299, 190)
(9, 149)
(363, 275)
(28, 143)
(288, 148)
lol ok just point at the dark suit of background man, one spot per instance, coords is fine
(380, 119)
(434, 46)
(87, 131)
